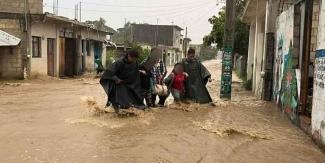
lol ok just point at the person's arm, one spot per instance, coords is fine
(112, 72)
(164, 73)
(205, 74)
(169, 79)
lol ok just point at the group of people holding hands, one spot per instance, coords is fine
(129, 83)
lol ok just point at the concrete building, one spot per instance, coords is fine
(50, 45)
(67, 47)
(286, 38)
(318, 107)
(167, 37)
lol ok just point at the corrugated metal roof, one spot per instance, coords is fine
(7, 39)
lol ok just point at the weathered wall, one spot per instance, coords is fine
(258, 54)
(250, 58)
(18, 6)
(314, 32)
(318, 111)
(285, 87)
(11, 63)
(45, 31)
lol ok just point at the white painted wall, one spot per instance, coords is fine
(258, 54)
(45, 31)
(318, 111)
(251, 49)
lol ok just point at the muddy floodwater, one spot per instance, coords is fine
(49, 121)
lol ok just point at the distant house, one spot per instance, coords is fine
(167, 37)
(49, 45)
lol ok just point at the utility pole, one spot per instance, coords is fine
(76, 12)
(156, 33)
(185, 43)
(55, 7)
(80, 11)
(227, 60)
(125, 32)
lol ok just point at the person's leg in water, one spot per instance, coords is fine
(148, 98)
(162, 100)
(177, 95)
(153, 99)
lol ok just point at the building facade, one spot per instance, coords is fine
(167, 37)
(285, 59)
(50, 45)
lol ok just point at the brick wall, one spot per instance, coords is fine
(11, 66)
(18, 6)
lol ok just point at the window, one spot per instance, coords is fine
(181, 41)
(36, 47)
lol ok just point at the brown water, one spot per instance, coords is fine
(51, 121)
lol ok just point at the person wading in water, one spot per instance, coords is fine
(121, 82)
(198, 77)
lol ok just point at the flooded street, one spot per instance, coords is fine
(47, 121)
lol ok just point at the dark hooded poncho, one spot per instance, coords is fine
(129, 92)
(195, 85)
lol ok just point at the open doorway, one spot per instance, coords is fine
(97, 52)
(67, 58)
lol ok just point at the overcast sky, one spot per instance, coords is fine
(193, 14)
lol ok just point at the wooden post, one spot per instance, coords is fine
(305, 56)
(227, 60)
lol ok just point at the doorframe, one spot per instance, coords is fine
(53, 58)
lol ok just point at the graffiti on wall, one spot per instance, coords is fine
(289, 93)
(320, 70)
(284, 35)
(318, 114)
(278, 69)
(285, 79)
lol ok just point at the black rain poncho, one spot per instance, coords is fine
(129, 92)
(195, 85)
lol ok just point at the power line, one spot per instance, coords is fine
(164, 14)
(144, 6)
(133, 11)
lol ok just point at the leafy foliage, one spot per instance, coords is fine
(101, 25)
(144, 52)
(241, 31)
(112, 55)
(208, 53)
(122, 34)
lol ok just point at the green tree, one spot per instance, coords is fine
(101, 25)
(123, 34)
(241, 31)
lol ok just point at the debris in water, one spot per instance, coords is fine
(17, 84)
(185, 107)
(93, 105)
(230, 130)
(97, 122)
(130, 112)
(89, 81)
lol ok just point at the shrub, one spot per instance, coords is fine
(248, 84)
